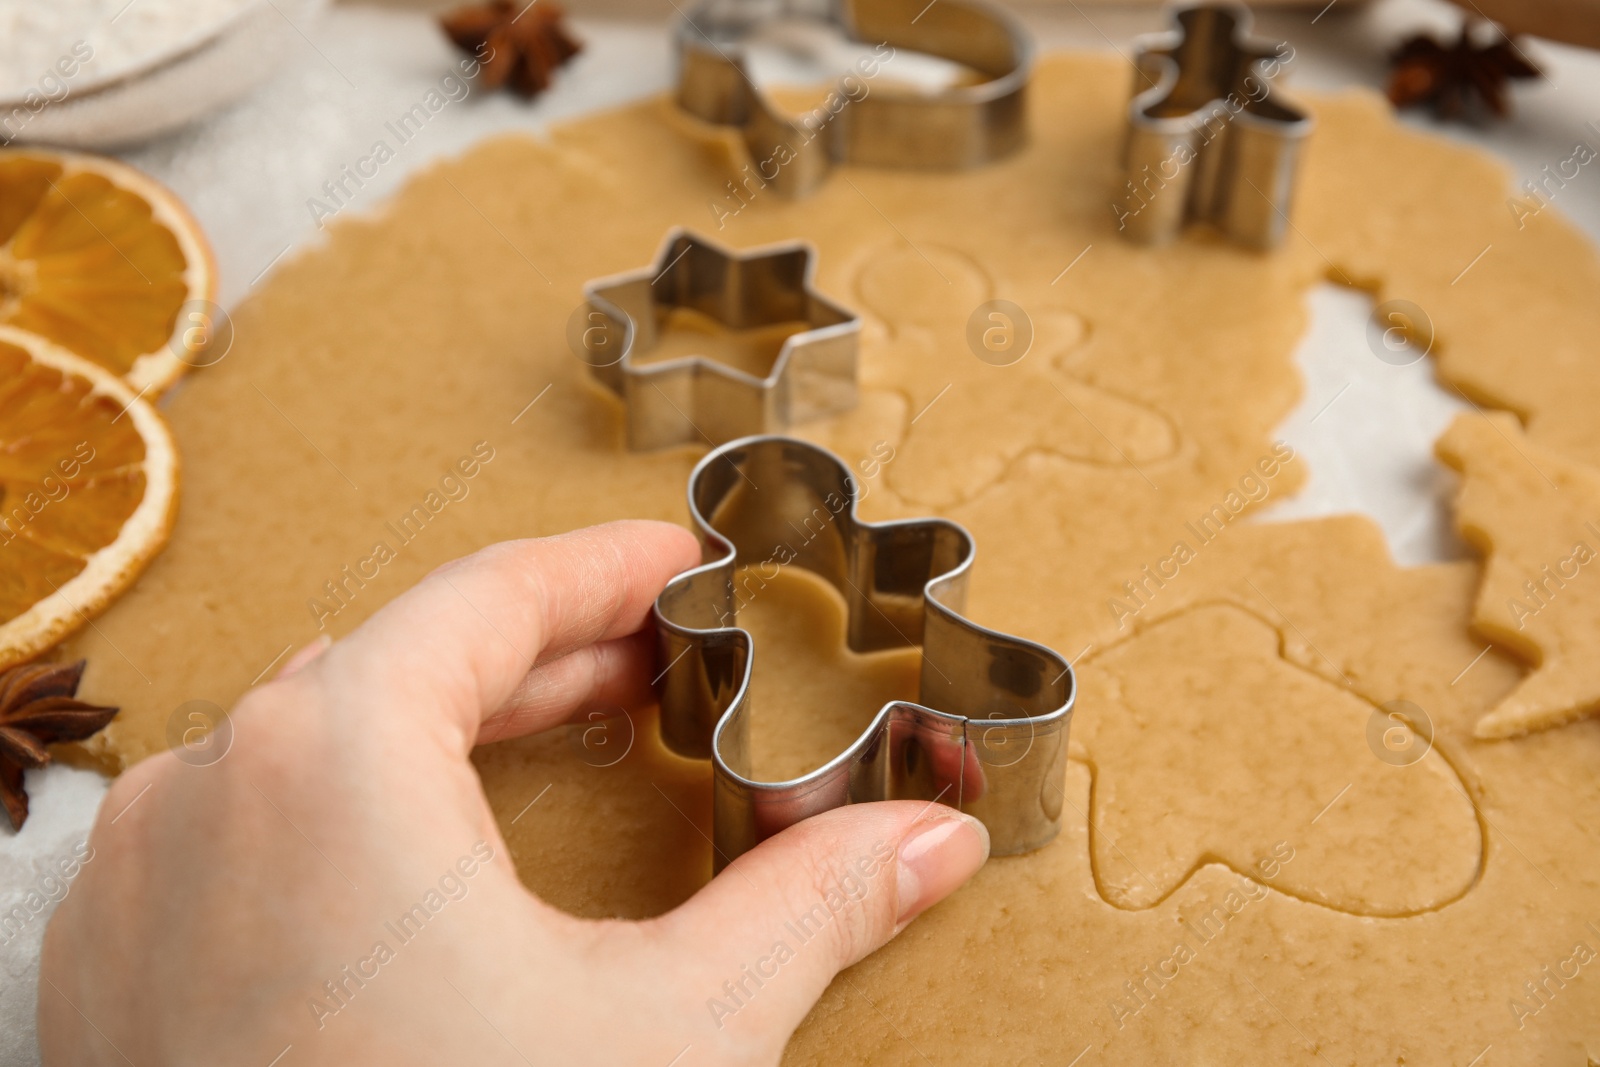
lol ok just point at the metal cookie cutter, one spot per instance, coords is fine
(989, 734)
(695, 399)
(961, 126)
(1209, 142)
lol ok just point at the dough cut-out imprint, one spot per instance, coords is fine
(1535, 515)
(1208, 744)
(1034, 405)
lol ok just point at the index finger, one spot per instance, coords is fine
(463, 639)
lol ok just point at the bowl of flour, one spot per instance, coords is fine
(99, 74)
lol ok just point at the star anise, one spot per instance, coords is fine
(518, 43)
(39, 707)
(1452, 77)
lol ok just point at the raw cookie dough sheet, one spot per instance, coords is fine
(1241, 877)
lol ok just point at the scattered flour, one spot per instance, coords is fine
(36, 35)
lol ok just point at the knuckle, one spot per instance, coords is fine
(131, 785)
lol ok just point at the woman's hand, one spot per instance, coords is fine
(335, 890)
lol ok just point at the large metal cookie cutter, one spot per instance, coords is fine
(1207, 139)
(698, 400)
(960, 126)
(989, 733)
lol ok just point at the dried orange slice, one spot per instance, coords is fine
(100, 259)
(88, 491)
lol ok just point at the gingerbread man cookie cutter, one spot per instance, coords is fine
(694, 399)
(961, 126)
(988, 733)
(1207, 139)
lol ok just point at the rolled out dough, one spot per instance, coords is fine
(1244, 876)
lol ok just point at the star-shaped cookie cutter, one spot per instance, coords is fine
(964, 125)
(694, 399)
(1207, 139)
(989, 732)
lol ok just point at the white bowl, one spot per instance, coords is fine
(199, 75)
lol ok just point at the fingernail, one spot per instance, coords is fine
(935, 858)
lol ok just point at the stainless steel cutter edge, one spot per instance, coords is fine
(960, 126)
(696, 400)
(990, 732)
(1241, 181)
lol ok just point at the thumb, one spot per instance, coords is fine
(769, 933)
